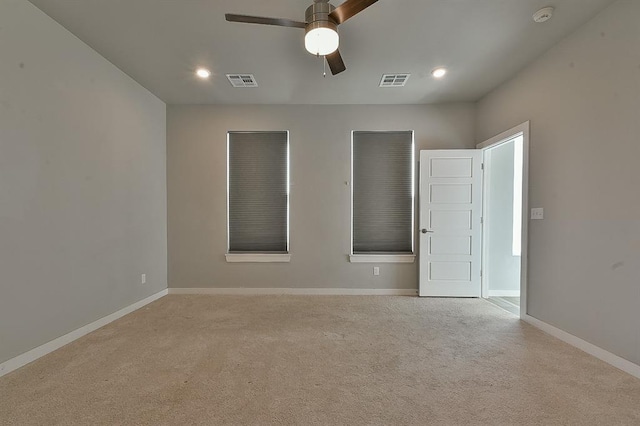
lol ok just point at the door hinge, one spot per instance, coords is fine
(481, 220)
(481, 273)
(482, 166)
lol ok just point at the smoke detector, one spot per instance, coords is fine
(543, 15)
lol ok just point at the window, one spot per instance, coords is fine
(382, 195)
(258, 196)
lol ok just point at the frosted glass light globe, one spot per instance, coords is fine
(321, 41)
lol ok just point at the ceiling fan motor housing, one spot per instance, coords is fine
(319, 12)
(318, 21)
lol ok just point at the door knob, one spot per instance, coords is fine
(424, 231)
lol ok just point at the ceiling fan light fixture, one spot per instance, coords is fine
(321, 21)
(321, 38)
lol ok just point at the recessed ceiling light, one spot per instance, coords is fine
(203, 73)
(439, 72)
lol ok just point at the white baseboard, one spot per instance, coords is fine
(27, 357)
(606, 356)
(297, 291)
(504, 293)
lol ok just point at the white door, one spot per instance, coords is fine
(450, 222)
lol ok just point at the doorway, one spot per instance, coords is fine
(504, 220)
(456, 258)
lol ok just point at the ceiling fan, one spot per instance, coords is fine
(321, 27)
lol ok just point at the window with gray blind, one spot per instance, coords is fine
(258, 192)
(382, 192)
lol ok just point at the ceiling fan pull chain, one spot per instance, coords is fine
(324, 69)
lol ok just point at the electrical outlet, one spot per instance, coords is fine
(537, 213)
(143, 279)
(376, 270)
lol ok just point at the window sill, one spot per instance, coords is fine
(382, 258)
(257, 258)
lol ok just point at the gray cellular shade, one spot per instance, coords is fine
(258, 192)
(382, 192)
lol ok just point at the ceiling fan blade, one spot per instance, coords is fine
(281, 22)
(349, 8)
(336, 64)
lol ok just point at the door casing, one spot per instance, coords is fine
(520, 130)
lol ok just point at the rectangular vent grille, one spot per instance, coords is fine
(242, 80)
(394, 80)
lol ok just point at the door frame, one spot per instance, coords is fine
(506, 136)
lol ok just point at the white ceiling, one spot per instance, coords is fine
(161, 42)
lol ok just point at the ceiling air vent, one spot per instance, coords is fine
(394, 80)
(242, 80)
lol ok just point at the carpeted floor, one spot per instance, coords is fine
(309, 360)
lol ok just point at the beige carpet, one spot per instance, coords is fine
(318, 360)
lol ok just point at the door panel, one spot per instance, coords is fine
(450, 193)
(449, 245)
(450, 222)
(450, 271)
(451, 167)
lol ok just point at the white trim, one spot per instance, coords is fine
(606, 356)
(413, 193)
(486, 237)
(288, 194)
(382, 258)
(257, 258)
(505, 136)
(524, 130)
(42, 350)
(504, 293)
(524, 255)
(297, 291)
(227, 211)
(516, 243)
(351, 196)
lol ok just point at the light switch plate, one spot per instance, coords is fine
(537, 213)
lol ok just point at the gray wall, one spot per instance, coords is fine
(82, 183)
(320, 200)
(502, 267)
(583, 100)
